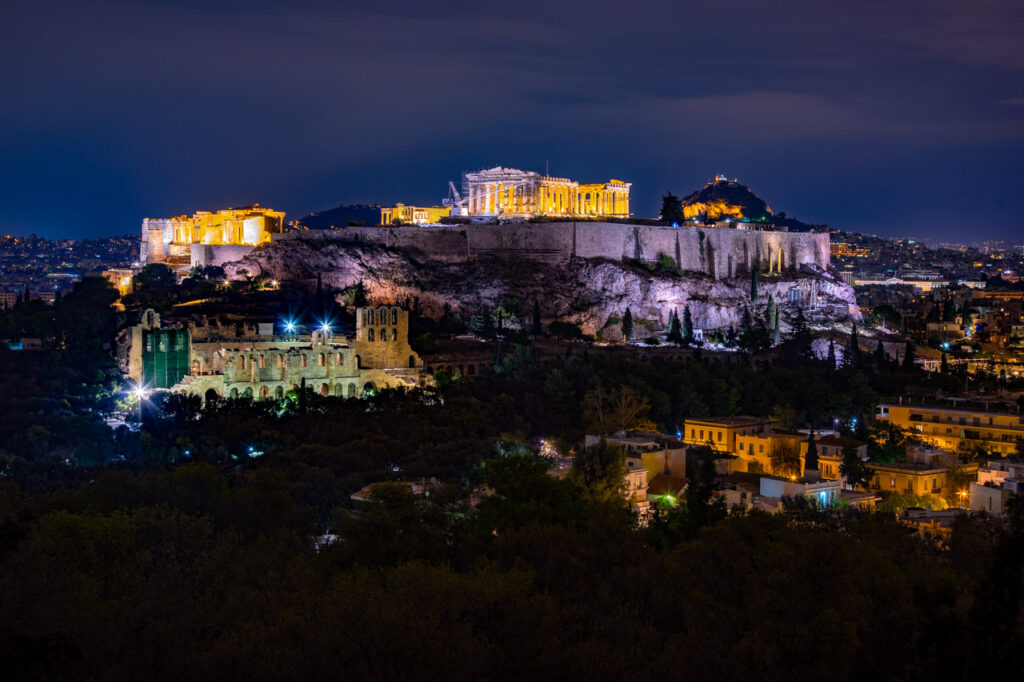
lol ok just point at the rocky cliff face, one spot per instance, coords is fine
(585, 291)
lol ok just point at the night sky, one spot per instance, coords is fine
(880, 116)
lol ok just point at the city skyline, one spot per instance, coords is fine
(898, 120)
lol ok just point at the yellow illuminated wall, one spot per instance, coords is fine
(167, 239)
(420, 215)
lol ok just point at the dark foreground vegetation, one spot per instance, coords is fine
(189, 549)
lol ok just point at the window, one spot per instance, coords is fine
(719, 436)
(760, 448)
(280, 360)
(892, 481)
(394, 316)
(242, 361)
(340, 360)
(693, 434)
(263, 363)
(383, 334)
(369, 318)
(702, 434)
(394, 335)
(321, 360)
(369, 334)
(305, 360)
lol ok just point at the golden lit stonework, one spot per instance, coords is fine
(510, 193)
(170, 239)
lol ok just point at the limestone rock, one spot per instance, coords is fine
(586, 291)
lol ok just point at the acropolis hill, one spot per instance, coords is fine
(523, 241)
(585, 272)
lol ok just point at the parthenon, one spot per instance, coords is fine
(512, 193)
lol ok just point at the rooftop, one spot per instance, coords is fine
(728, 421)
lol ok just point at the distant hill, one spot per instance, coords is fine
(723, 199)
(342, 216)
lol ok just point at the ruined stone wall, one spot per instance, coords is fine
(718, 252)
(217, 254)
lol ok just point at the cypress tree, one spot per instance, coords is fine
(944, 368)
(675, 332)
(853, 348)
(880, 356)
(811, 460)
(908, 357)
(319, 287)
(627, 325)
(753, 283)
(359, 299)
(671, 209)
(771, 312)
(538, 328)
(687, 326)
(498, 354)
(831, 360)
(730, 337)
(776, 330)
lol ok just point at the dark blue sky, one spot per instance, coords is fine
(888, 116)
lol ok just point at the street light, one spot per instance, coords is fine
(141, 394)
(962, 494)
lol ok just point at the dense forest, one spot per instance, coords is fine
(193, 546)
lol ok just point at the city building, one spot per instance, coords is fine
(511, 193)
(999, 481)
(958, 424)
(721, 432)
(773, 488)
(400, 214)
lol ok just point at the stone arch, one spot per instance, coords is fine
(279, 392)
(234, 392)
(471, 370)
(351, 390)
(369, 388)
(264, 392)
(247, 393)
(338, 390)
(359, 361)
(325, 389)
(211, 396)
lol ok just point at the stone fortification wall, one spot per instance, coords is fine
(217, 254)
(718, 252)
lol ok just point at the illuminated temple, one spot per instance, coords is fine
(511, 193)
(171, 240)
